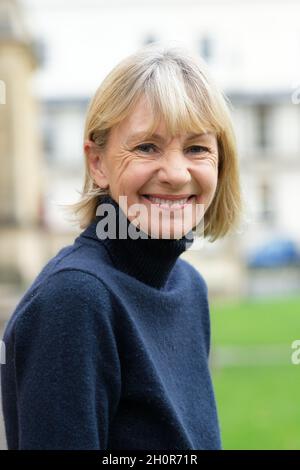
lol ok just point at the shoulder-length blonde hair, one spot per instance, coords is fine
(181, 91)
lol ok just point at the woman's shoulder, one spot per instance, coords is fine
(65, 298)
(78, 257)
(194, 275)
(69, 284)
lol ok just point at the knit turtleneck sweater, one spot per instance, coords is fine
(109, 347)
(150, 260)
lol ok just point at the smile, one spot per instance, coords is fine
(169, 203)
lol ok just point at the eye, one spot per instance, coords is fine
(193, 149)
(199, 148)
(144, 147)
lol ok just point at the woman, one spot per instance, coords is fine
(109, 347)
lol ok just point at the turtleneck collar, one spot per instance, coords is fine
(149, 260)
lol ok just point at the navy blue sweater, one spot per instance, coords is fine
(108, 349)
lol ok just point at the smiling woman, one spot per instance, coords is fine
(109, 347)
(153, 169)
(166, 101)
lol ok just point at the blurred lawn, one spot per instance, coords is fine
(268, 321)
(258, 404)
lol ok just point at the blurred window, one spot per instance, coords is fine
(263, 114)
(266, 203)
(206, 48)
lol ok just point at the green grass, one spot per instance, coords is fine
(258, 406)
(246, 322)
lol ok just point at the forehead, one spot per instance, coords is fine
(138, 119)
(136, 125)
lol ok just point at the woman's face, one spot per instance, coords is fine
(151, 172)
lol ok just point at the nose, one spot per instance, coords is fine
(174, 169)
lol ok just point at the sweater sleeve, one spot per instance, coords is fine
(66, 365)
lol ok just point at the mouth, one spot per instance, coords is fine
(170, 202)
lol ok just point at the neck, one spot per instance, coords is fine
(150, 260)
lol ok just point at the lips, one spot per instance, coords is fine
(169, 196)
(178, 202)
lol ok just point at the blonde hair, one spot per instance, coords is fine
(181, 91)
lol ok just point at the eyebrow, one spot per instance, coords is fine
(160, 138)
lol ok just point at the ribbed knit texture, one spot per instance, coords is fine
(108, 349)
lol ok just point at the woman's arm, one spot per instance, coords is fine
(66, 365)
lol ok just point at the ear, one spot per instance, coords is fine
(95, 161)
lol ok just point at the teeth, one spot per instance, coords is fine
(168, 201)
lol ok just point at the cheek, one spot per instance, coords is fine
(137, 175)
(124, 169)
(207, 178)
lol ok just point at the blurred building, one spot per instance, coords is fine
(62, 130)
(265, 115)
(267, 127)
(21, 176)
